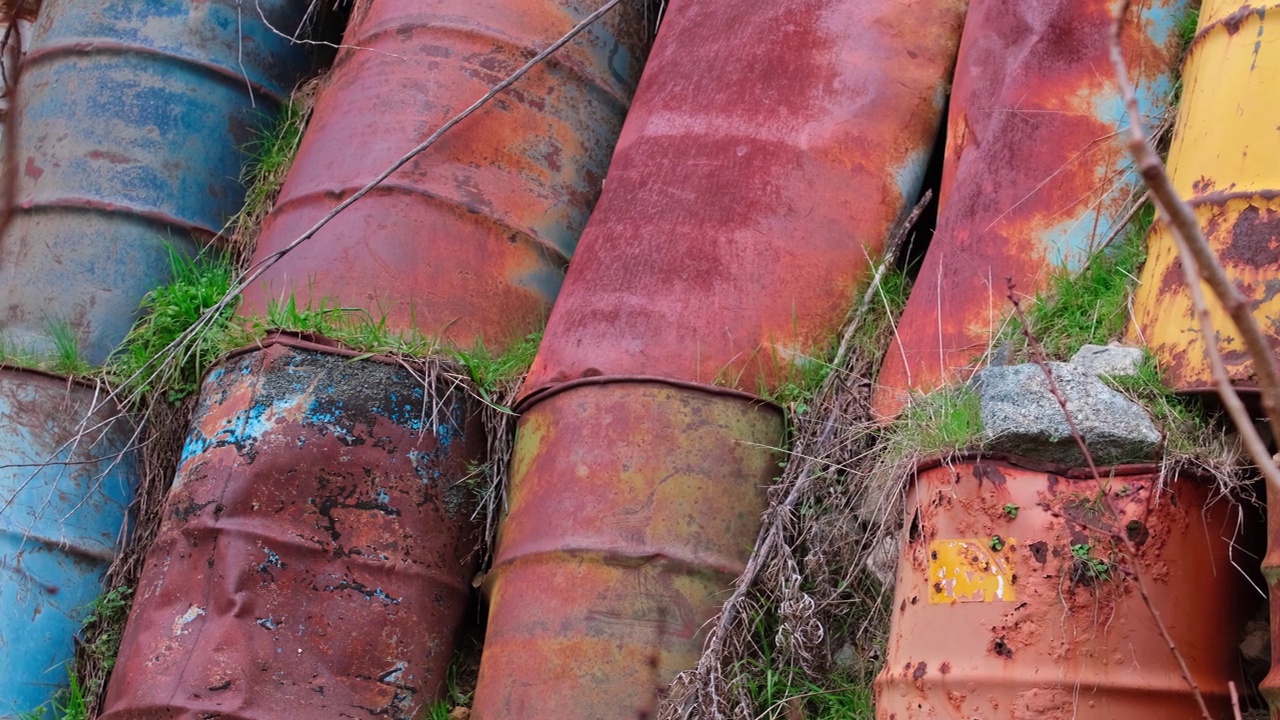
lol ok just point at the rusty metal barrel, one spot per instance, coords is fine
(1036, 174)
(316, 555)
(1011, 602)
(470, 239)
(319, 550)
(771, 148)
(131, 124)
(16, 20)
(67, 476)
(1225, 160)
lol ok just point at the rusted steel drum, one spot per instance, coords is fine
(770, 150)
(131, 124)
(470, 239)
(1010, 603)
(634, 506)
(746, 197)
(316, 555)
(1225, 160)
(1036, 174)
(63, 504)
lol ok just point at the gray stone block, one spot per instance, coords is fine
(1021, 416)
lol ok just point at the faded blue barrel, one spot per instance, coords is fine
(132, 121)
(62, 508)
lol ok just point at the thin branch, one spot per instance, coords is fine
(1182, 220)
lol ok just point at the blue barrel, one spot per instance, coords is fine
(132, 120)
(62, 508)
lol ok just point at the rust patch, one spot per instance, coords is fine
(1078, 621)
(318, 550)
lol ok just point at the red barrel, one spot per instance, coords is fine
(1036, 174)
(471, 238)
(1011, 601)
(316, 554)
(771, 148)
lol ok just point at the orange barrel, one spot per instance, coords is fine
(1036, 174)
(771, 149)
(469, 240)
(1011, 604)
(316, 554)
(1225, 159)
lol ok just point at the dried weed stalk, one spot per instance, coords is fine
(807, 589)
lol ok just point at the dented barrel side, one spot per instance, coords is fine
(1013, 600)
(67, 475)
(470, 239)
(1225, 160)
(770, 149)
(131, 129)
(633, 506)
(316, 553)
(1036, 174)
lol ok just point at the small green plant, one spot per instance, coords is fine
(489, 371)
(454, 696)
(197, 284)
(1011, 511)
(67, 358)
(1086, 567)
(996, 543)
(944, 421)
(109, 613)
(68, 704)
(1186, 26)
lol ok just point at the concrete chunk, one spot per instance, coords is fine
(1109, 360)
(1021, 416)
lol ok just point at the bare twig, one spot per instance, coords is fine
(1235, 700)
(1038, 357)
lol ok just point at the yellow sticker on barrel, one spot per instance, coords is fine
(972, 570)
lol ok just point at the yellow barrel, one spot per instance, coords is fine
(1225, 160)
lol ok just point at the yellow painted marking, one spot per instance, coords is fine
(970, 570)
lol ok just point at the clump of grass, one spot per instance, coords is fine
(168, 312)
(68, 704)
(1193, 440)
(455, 696)
(1186, 25)
(103, 631)
(1089, 307)
(492, 373)
(64, 356)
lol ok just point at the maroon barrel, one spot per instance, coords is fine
(1036, 175)
(771, 149)
(471, 238)
(316, 554)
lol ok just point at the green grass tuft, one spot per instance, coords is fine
(489, 372)
(1089, 307)
(170, 310)
(945, 421)
(1186, 26)
(68, 704)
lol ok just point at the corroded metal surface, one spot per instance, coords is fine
(316, 554)
(771, 148)
(63, 503)
(1036, 174)
(15, 37)
(470, 239)
(1225, 159)
(130, 126)
(1032, 619)
(633, 506)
